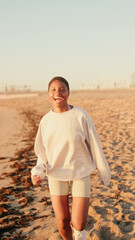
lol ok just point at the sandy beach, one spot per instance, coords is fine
(26, 211)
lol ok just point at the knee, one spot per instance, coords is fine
(64, 224)
(79, 226)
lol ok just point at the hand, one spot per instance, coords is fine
(36, 180)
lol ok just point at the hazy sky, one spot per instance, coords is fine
(85, 41)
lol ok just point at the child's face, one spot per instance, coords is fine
(58, 93)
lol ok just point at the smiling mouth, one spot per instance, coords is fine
(58, 99)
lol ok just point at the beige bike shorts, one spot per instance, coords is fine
(79, 187)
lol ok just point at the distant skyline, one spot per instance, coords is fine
(88, 42)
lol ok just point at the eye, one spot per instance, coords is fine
(62, 89)
(52, 89)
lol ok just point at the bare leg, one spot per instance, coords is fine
(62, 214)
(80, 206)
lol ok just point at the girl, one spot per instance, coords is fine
(68, 151)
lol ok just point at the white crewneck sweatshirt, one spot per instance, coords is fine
(68, 147)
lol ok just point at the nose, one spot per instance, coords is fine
(58, 90)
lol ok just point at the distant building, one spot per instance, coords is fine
(16, 89)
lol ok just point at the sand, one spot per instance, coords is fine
(26, 211)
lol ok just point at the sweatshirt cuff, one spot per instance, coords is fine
(105, 178)
(39, 170)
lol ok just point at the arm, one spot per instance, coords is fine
(97, 153)
(40, 168)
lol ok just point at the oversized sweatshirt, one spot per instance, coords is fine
(67, 147)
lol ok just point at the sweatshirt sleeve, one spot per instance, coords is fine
(97, 153)
(41, 166)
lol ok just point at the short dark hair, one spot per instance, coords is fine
(59, 79)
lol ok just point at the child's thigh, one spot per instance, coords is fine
(81, 187)
(57, 187)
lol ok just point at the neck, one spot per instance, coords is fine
(61, 109)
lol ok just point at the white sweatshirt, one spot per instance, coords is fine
(68, 148)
